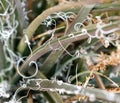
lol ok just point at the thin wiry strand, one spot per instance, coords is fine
(50, 20)
(78, 25)
(25, 12)
(28, 43)
(81, 25)
(89, 18)
(78, 54)
(65, 49)
(84, 32)
(17, 91)
(7, 32)
(32, 62)
(64, 17)
(99, 32)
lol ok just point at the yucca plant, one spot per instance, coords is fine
(59, 51)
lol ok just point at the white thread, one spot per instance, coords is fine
(27, 77)
(16, 92)
(77, 26)
(28, 43)
(7, 32)
(64, 48)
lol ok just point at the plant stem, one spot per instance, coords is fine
(49, 85)
(52, 45)
(36, 22)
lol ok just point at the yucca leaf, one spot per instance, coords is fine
(92, 93)
(37, 53)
